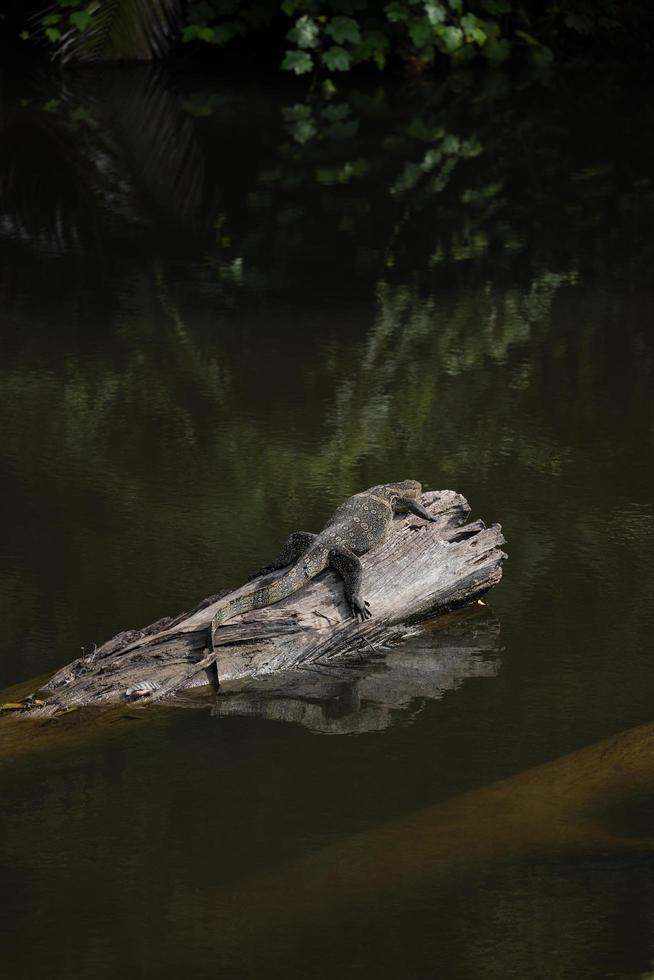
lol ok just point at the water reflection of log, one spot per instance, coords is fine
(369, 697)
(444, 565)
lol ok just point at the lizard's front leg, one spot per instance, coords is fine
(294, 546)
(348, 566)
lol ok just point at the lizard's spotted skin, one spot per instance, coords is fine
(357, 526)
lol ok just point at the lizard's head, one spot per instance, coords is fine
(407, 488)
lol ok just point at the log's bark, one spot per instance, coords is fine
(420, 571)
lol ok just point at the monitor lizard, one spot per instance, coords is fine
(358, 525)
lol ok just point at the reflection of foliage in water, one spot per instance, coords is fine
(432, 205)
(408, 178)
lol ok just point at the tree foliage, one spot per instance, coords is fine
(334, 36)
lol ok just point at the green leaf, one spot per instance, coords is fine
(53, 34)
(299, 122)
(471, 148)
(473, 29)
(374, 44)
(452, 37)
(344, 29)
(336, 59)
(396, 12)
(51, 19)
(197, 32)
(436, 12)
(379, 58)
(298, 61)
(304, 130)
(421, 33)
(456, 5)
(305, 33)
(24, 35)
(81, 19)
(431, 160)
(451, 144)
(210, 35)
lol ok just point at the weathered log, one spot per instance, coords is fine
(420, 571)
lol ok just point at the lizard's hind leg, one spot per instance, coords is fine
(294, 546)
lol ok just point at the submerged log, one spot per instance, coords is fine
(571, 806)
(420, 571)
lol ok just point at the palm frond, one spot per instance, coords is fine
(114, 151)
(152, 142)
(123, 30)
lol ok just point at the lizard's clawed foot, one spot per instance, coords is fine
(262, 571)
(360, 608)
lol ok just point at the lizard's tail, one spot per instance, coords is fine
(258, 597)
(254, 598)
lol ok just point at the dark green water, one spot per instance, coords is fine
(221, 315)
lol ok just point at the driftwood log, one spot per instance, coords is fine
(420, 571)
